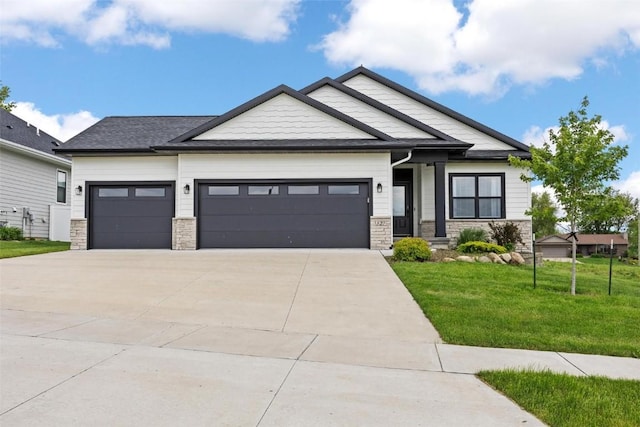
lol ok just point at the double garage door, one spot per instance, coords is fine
(308, 214)
(283, 215)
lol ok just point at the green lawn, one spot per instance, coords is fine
(564, 400)
(492, 305)
(10, 249)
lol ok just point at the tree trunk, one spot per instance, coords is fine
(573, 260)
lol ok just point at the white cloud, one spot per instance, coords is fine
(536, 136)
(630, 185)
(61, 126)
(501, 43)
(143, 22)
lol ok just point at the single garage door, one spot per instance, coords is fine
(130, 216)
(283, 215)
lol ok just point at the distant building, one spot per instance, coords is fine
(559, 245)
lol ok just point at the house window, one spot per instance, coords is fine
(61, 195)
(476, 196)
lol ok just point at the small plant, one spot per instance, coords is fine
(507, 234)
(10, 233)
(472, 235)
(475, 247)
(411, 249)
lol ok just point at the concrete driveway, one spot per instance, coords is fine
(246, 338)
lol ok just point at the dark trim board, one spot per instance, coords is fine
(240, 219)
(131, 220)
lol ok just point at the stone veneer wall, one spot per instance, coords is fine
(78, 234)
(183, 234)
(454, 227)
(381, 232)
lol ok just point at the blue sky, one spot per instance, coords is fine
(515, 67)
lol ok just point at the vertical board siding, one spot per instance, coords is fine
(427, 115)
(286, 166)
(150, 168)
(366, 113)
(32, 183)
(284, 117)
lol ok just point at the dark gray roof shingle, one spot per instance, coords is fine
(132, 133)
(14, 129)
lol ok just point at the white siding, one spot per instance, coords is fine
(284, 117)
(32, 183)
(287, 166)
(150, 168)
(366, 113)
(427, 115)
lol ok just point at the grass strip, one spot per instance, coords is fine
(565, 400)
(11, 249)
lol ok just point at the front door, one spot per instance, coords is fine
(402, 202)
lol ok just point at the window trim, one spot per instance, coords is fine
(66, 186)
(476, 197)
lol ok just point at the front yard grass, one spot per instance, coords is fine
(10, 249)
(564, 400)
(491, 305)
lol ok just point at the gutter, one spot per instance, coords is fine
(401, 161)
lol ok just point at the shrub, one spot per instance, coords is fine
(411, 249)
(507, 234)
(472, 235)
(473, 247)
(10, 233)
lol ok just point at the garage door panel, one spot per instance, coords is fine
(285, 220)
(270, 239)
(132, 240)
(307, 222)
(135, 221)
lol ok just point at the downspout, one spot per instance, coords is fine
(401, 161)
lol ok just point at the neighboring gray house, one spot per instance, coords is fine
(355, 162)
(34, 181)
(559, 245)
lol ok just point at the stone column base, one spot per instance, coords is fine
(381, 232)
(183, 234)
(78, 232)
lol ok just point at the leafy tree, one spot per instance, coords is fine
(576, 163)
(4, 95)
(609, 212)
(543, 214)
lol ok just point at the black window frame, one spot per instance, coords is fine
(61, 190)
(476, 197)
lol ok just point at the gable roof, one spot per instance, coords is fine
(18, 131)
(434, 105)
(376, 104)
(153, 134)
(269, 95)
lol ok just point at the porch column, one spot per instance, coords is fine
(441, 226)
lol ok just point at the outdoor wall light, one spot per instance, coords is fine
(186, 189)
(379, 187)
(79, 190)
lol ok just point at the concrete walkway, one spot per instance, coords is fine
(247, 338)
